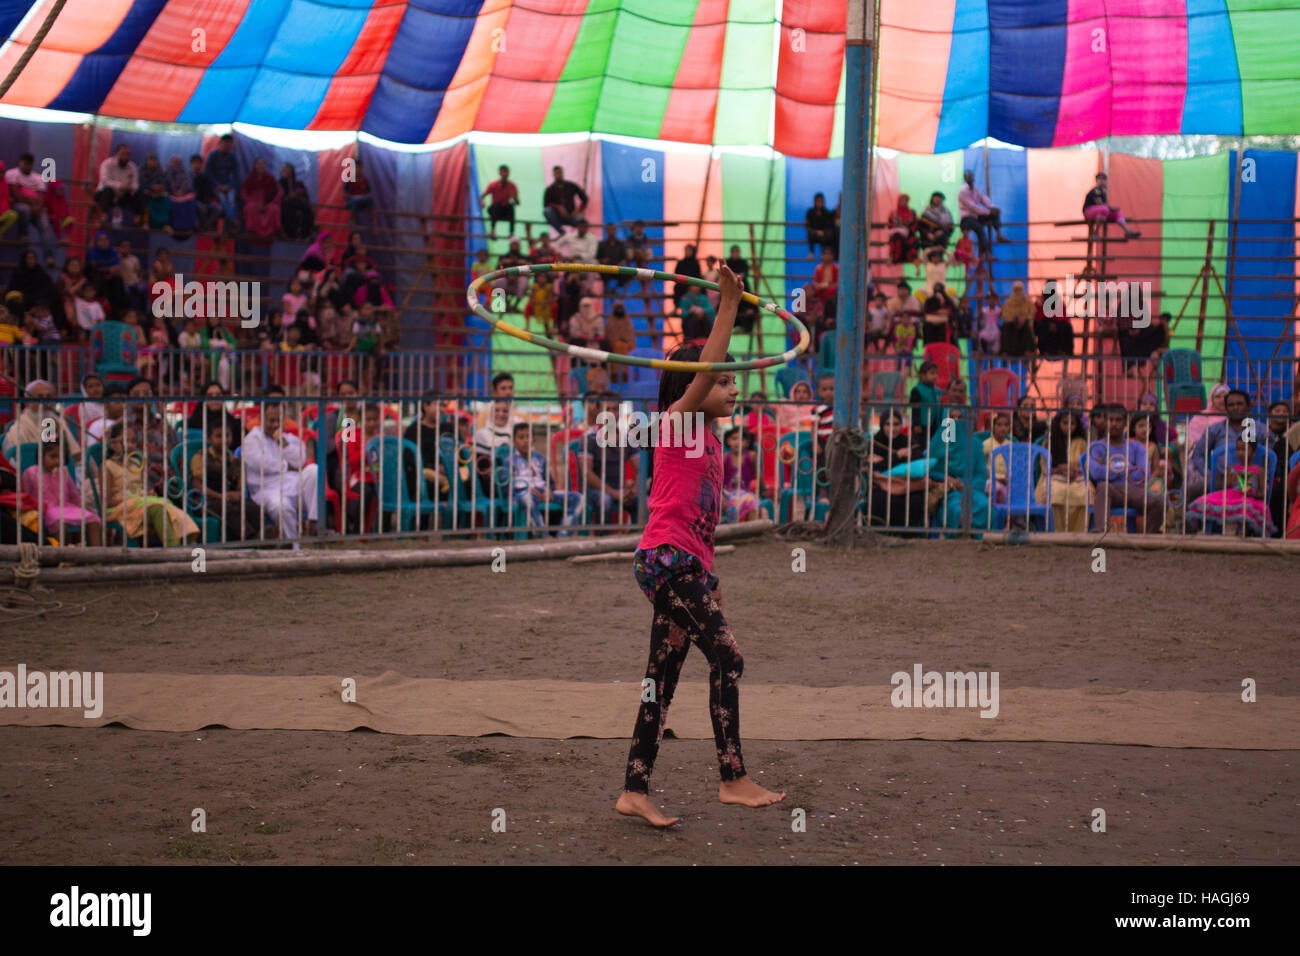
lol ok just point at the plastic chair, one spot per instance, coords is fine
(826, 355)
(1130, 514)
(578, 375)
(1295, 460)
(113, 349)
(948, 358)
(1023, 463)
(387, 455)
(462, 500)
(94, 462)
(181, 454)
(786, 376)
(998, 388)
(803, 478)
(1180, 376)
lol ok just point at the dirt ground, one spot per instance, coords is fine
(1039, 616)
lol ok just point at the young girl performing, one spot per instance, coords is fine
(673, 567)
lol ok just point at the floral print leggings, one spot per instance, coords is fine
(685, 610)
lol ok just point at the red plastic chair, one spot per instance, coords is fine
(948, 358)
(997, 389)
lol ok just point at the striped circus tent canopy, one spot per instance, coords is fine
(722, 72)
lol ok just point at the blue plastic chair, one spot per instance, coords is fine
(466, 503)
(1295, 460)
(578, 375)
(826, 354)
(94, 460)
(804, 480)
(1023, 463)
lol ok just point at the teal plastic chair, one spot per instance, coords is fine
(886, 390)
(387, 457)
(803, 481)
(94, 461)
(113, 348)
(1180, 377)
(466, 504)
(826, 355)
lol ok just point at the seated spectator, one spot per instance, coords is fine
(587, 328)
(694, 298)
(638, 246)
(1159, 429)
(563, 202)
(1220, 433)
(28, 199)
(92, 389)
(182, 212)
(877, 331)
(619, 332)
(542, 252)
(207, 208)
(610, 489)
(153, 193)
(515, 287)
(687, 265)
(279, 478)
(30, 279)
(114, 411)
(1239, 502)
(89, 310)
(934, 228)
(294, 299)
(211, 415)
(118, 188)
(297, 219)
(797, 413)
(1096, 208)
(1054, 333)
(1000, 436)
(939, 308)
(261, 195)
(366, 341)
(357, 195)
(223, 169)
(824, 412)
(50, 484)
(132, 497)
(903, 243)
(29, 426)
(989, 337)
(579, 245)
(740, 491)
(611, 251)
(825, 288)
(978, 214)
(499, 429)
(895, 501)
(505, 197)
(531, 486)
(936, 266)
(1118, 468)
(540, 307)
(104, 269)
(502, 389)
(1066, 446)
(1214, 412)
(949, 469)
(819, 223)
(1026, 426)
(480, 266)
(130, 272)
(219, 343)
(147, 432)
(1017, 328)
(217, 480)
(425, 432)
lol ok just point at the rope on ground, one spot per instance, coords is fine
(28, 567)
(18, 604)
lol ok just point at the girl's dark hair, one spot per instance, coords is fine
(673, 385)
(1058, 444)
(1149, 418)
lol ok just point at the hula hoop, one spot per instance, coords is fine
(503, 475)
(788, 454)
(599, 356)
(484, 466)
(823, 478)
(805, 466)
(467, 452)
(768, 442)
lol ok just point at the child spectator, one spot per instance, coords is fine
(293, 300)
(825, 289)
(366, 341)
(824, 413)
(89, 310)
(1240, 503)
(50, 484)
(1066, 446)
(902, 232)
(989, 335)
(129, 269)
(927, 403)
(531, 486)
(739, 479)
(114, 409)
(217, 480)
(130, 498)
(1001, 436)
(1118, 467)
(878, 312)
(357, 193)
(1096, 208)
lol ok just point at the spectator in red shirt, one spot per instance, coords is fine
(505, 197)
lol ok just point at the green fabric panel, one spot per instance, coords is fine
(573, 104)
(744, 186)
(745, 85)
(526, 173)
(920, 175)
(529, 364)
(1264, 34)
(837, 131)
(1195, 189)
(649, 37)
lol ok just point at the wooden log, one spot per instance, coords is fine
(1156, 542)
(624, 555)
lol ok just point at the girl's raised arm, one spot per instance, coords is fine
(715, 349)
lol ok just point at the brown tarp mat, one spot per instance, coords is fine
(394, 704)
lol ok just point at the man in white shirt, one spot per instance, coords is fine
(27, 199)
(579, 246)
(119, 184)
(978, 213)
(277, 474)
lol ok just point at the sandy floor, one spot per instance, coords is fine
(1038, 616)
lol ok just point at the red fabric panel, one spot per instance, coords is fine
(92, 145)
(164, 69)
(538, 40)
(1137, 186)
(809, 64)
(693, 102)
(329, 192)
(450, 185)
(349, 93)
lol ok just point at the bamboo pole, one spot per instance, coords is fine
(1207, 543)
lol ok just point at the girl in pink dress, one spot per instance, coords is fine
(673, 565)
(59, 497)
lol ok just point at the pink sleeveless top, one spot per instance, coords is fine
(685, 497)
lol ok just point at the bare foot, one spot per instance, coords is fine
(747, 793)
(639, 805)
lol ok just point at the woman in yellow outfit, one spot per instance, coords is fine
(1066, 444)
(128, 502)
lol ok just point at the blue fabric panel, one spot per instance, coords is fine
(1009, 190)
(222, 92)
(965, 114)
(625, 198)
(1213, 98)
(94, 77)
(1026, 57)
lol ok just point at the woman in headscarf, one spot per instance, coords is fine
(902, 232)
(1159, 429)
(261, 195)
(1017, 323)
(959, 466)
(896, 501)
(31, 280)
(180, 194)
(296, 216)
(153, 187)
(1215, 411)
